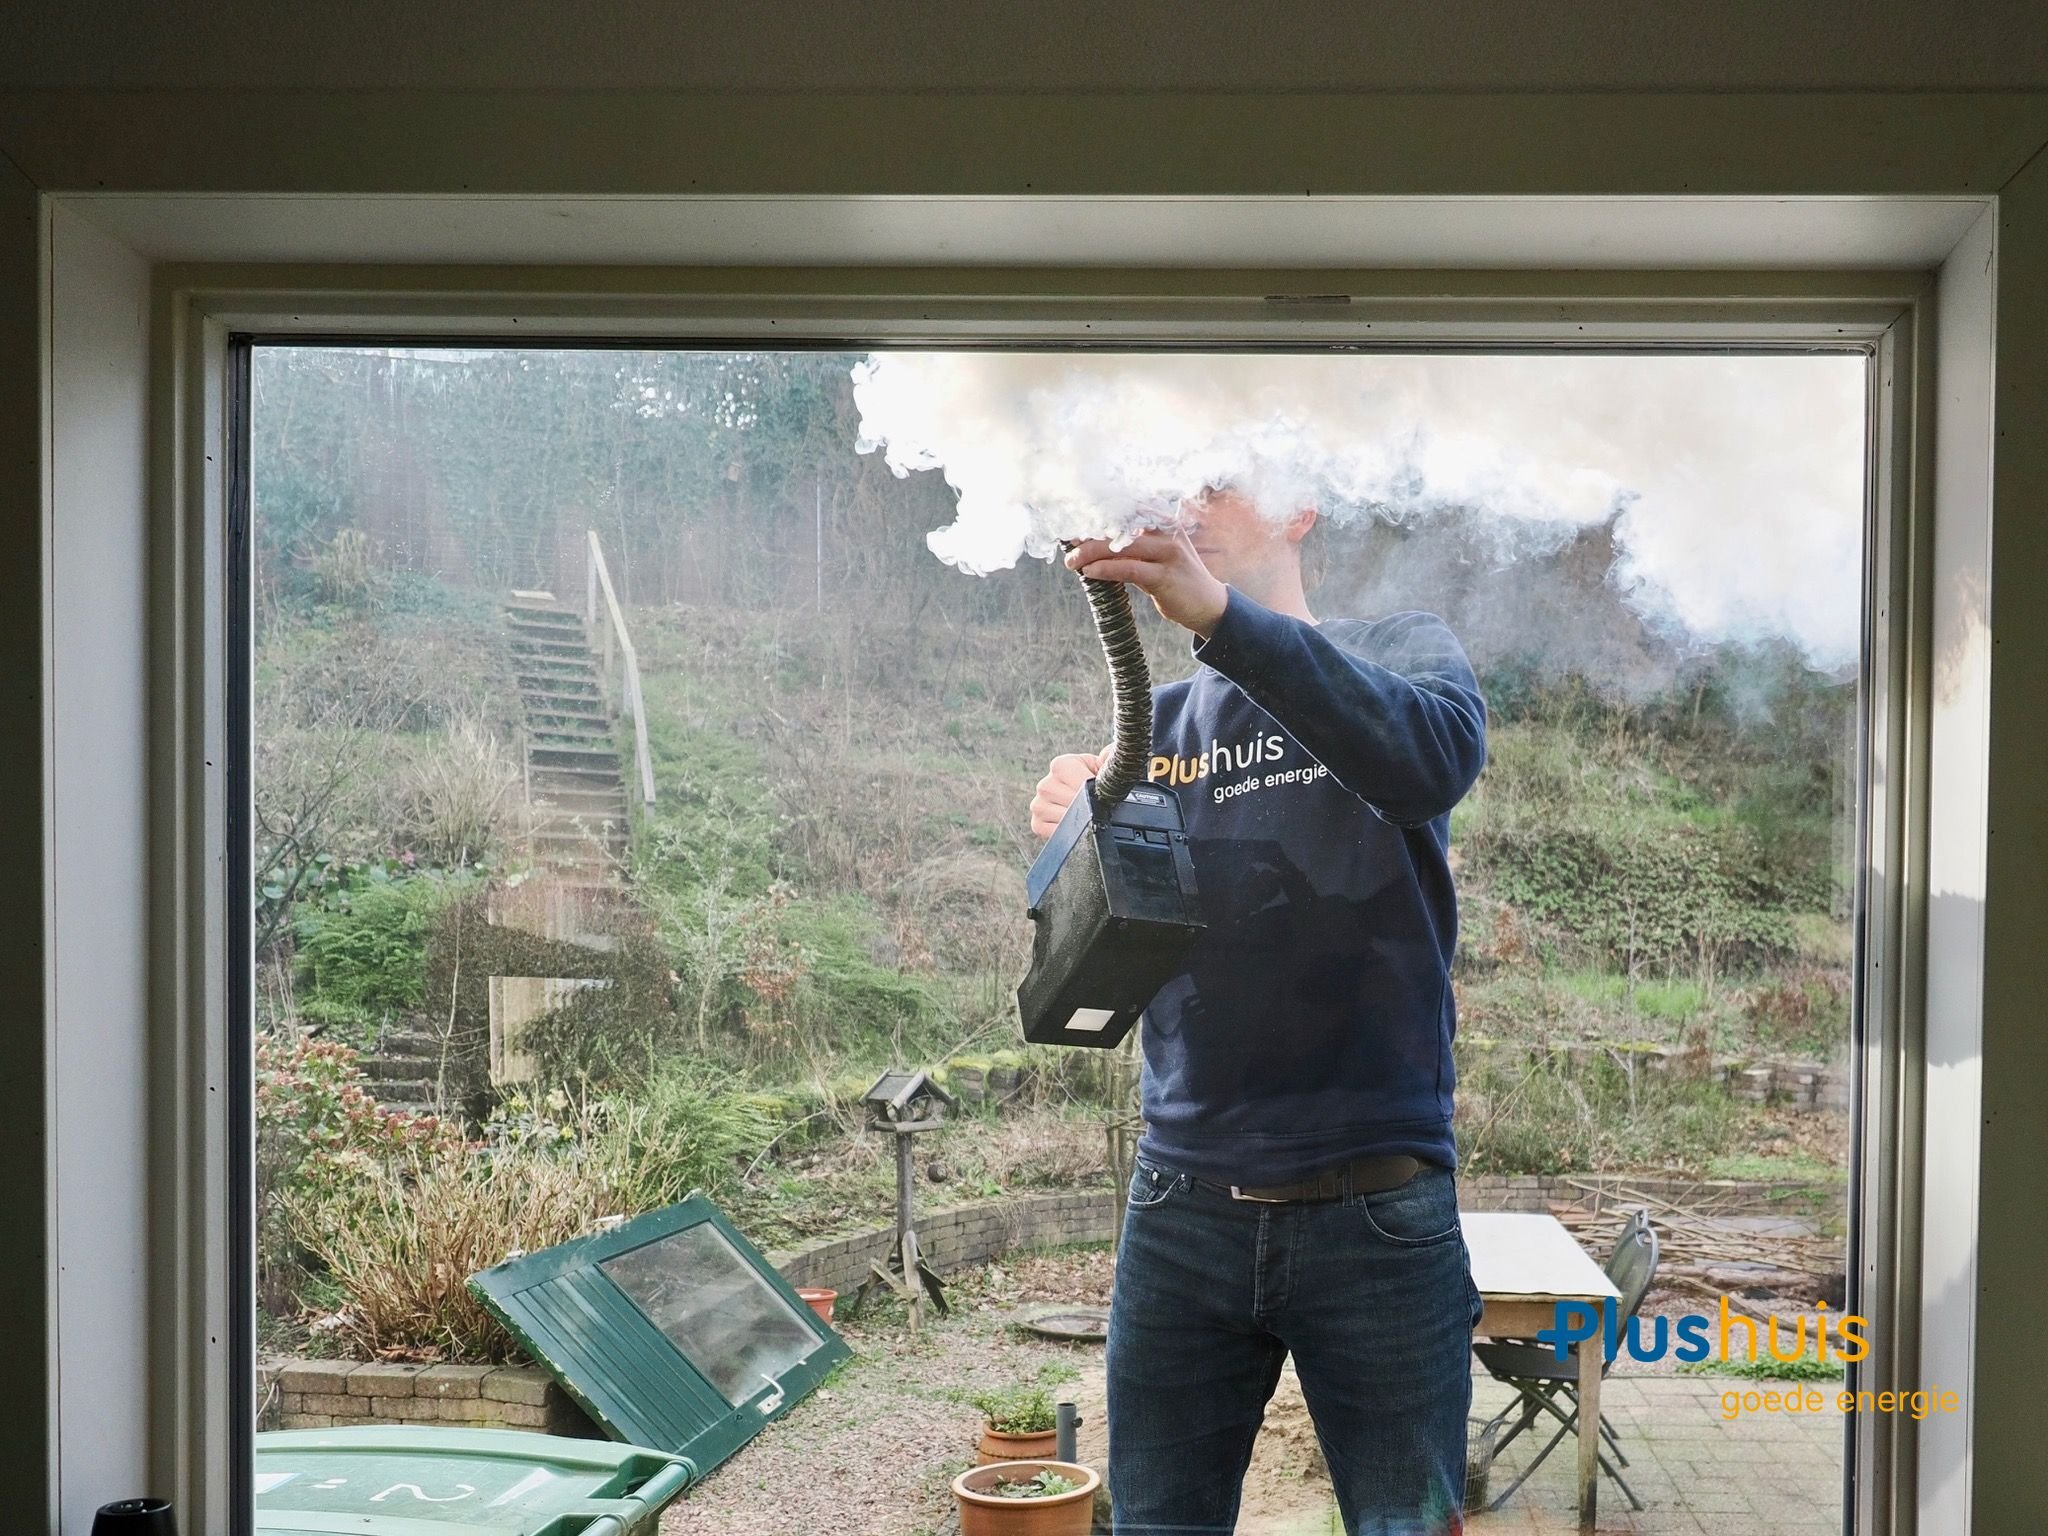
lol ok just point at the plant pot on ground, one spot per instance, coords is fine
(1017, 1424)
(820, 1299)
(1026, 1498)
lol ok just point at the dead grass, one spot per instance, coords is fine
(1046, 1149)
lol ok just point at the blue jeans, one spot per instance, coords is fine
(1371, 1293)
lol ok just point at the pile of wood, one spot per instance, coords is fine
(1701, 1249)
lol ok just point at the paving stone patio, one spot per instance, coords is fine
(1775, 1474)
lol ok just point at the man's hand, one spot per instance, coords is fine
(1056, 791)
(1161, 563)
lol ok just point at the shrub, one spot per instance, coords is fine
(400, 1239)
(454, 796)
(1518, 1114)
(317, 1124)
(688, 1127)
(317, 1130)
(400, 1243)
(1652, 894)
(364, 948)
(342, 570)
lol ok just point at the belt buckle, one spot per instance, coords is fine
(1237, 1193)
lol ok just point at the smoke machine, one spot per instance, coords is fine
(1112, 893)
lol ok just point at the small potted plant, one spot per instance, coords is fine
(1017, 1424)
(1026, 1498)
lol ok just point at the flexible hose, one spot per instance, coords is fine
(1131, 685)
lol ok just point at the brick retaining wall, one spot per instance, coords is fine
(959, 1236)
(320, 1394)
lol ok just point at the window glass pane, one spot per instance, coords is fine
(727, 1321)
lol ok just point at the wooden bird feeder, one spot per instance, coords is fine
(902, 1104)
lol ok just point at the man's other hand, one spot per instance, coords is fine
(1161, 563)
(1056, 791)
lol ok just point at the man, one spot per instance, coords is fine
(1293, 1190)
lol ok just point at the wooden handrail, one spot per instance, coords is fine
(614, 628)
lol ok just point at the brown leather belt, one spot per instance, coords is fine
(1366, 1176)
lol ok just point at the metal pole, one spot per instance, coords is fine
(1065, 1421)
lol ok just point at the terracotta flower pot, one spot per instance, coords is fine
(996, 1446)
(990, 1514)
(819, 1299)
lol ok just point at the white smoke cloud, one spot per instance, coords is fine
(1737, 481)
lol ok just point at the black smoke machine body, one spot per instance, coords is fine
(1112, 894)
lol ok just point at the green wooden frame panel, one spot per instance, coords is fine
(573, 1307)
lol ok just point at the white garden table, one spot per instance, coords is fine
(1523, 1265)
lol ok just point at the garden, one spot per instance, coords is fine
(1654, 877)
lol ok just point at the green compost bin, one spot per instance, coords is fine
(401, 1480)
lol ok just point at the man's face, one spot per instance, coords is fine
(1237, 544)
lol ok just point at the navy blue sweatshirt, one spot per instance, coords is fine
(1316, 766)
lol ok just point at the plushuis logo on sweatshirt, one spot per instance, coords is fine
(1219, 759)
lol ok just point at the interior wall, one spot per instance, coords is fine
(99, 322)
(1049, 45)
(643, 124)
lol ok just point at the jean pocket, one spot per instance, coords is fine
(1419, 1214)
(1149, 1186)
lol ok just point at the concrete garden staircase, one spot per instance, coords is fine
(577, 794)
(404, 1072)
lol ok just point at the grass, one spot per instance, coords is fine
(1671, 999)
(1753, 1168)
(1767, 1368)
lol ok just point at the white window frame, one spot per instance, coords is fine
(1928, 672)
(200, 312)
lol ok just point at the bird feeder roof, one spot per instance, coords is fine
(895, 1092)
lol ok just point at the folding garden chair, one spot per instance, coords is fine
(1545, 1384)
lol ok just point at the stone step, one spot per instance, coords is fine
(596, 845)
(389, 1067)
(527, 647)
(559, 818)
(564, 686)
(540, 602)
(586, 858)
(543, 700)
(410, 1097)
(554, 619)
(408, 1042)
(576, 732)
(550, 781)
(555, 669)
(602, 801)
(573, 757)
(577, 711)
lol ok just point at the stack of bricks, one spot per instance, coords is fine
(322, 1394)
